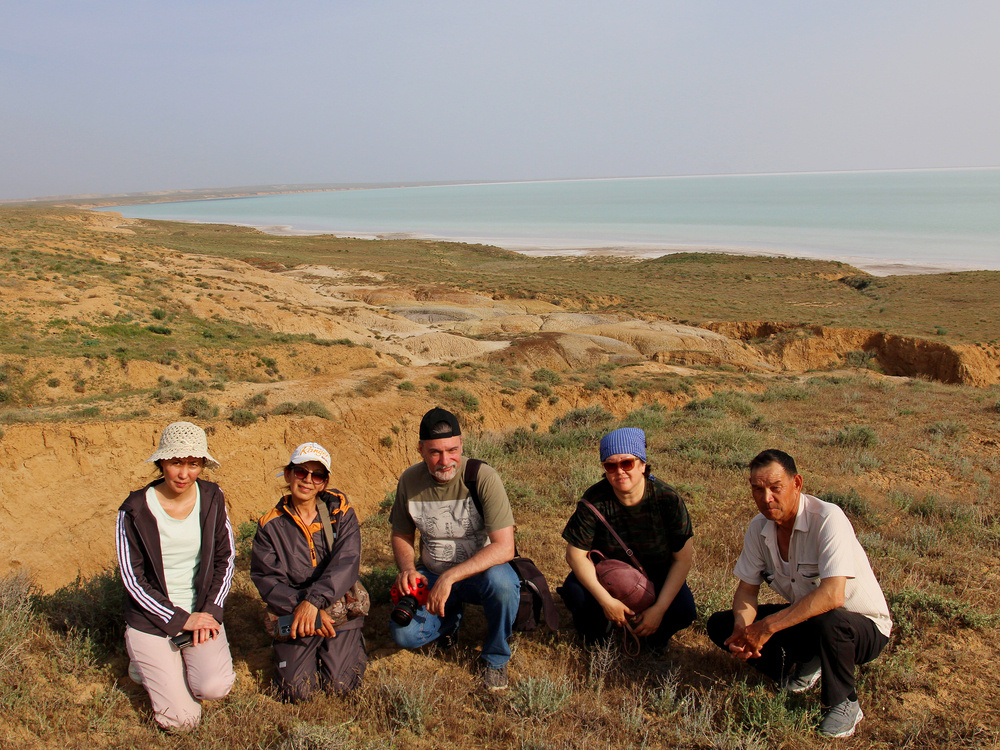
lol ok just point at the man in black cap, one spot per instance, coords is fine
(464, 546)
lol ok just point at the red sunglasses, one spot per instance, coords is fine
(626, 465)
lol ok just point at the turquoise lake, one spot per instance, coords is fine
(885, 222)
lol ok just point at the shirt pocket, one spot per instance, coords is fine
(809, 572)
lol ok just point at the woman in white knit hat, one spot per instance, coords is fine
(176, 555)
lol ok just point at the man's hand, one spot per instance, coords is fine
(747, 641)
(407, 580)
(438, 597)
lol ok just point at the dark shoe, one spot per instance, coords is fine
(494, 678)
(841, 720)
(447, 641)
(803, 677)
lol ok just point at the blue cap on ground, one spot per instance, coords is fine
(630, 440)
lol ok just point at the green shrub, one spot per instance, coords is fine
(302, 408)
(533, 402)
(464, 399)
(539, 697)
(160, 330)
(198, 406)
(545, 375)
(406, 385)
(856, 436)
(243, 417)
(448, 376)
(850, 502)
(589, 418)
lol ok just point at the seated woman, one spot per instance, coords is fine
(651, 518)
(298, 574)
(176, 555)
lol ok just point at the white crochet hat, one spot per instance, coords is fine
(183, 439)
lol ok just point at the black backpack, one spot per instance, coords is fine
(537, 605)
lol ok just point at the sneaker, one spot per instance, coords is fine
(803, 677)
(841, 720)
(494, 678)
(134, 674)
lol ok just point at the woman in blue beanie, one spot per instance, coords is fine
(650, 518)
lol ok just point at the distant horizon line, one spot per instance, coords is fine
(277, 188)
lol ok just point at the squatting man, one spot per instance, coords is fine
(836, 616)
(465, 547)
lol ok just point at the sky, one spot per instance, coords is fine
(117, 96)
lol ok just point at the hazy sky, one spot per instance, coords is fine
(110, 96)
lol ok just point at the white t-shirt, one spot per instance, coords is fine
(180, 549)
(823, 545)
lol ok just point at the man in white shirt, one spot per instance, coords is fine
(836, 616)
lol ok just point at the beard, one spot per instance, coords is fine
(445, 473)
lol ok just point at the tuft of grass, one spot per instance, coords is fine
(90, 606)
(243, 417)
(302, 409)
(856, 437)
(17, 619)
(198, 406)
(539, 697)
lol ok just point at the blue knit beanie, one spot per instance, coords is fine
(630, 440)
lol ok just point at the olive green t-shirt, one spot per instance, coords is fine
(451, 527)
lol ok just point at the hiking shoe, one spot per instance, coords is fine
(841, 720)
(134, 674)
(494, 678)
(447, 641)
(803, 677)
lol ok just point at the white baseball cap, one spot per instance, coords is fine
(310, 452)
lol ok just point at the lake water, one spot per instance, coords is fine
(884, 222)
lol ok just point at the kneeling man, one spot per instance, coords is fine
(464, 547)
(836, 617)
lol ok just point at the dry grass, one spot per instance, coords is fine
(928, 517)
(915, 464)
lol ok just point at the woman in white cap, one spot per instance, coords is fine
(306, 556)
(631, 506)
(177, 558)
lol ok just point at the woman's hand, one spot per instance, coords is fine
(647, 622)
(304, 619)
(203, 626)
(326, 629)
(616, 611)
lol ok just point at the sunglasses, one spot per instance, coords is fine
(317, 477)
(626, 465)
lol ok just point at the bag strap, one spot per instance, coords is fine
(628, 552)
(471, 480)
(324, 516)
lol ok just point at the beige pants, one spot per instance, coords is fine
(177, 679)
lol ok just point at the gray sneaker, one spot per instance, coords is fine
(841, 720)
(803, 677)
(494, 678)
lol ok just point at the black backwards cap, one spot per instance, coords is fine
(439, 423)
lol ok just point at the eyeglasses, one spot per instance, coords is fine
(317, 477)
(612, 467)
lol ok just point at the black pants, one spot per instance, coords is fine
(842, 640)
(592, 625)
(311, 662)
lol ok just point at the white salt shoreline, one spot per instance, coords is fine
(640, 251)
